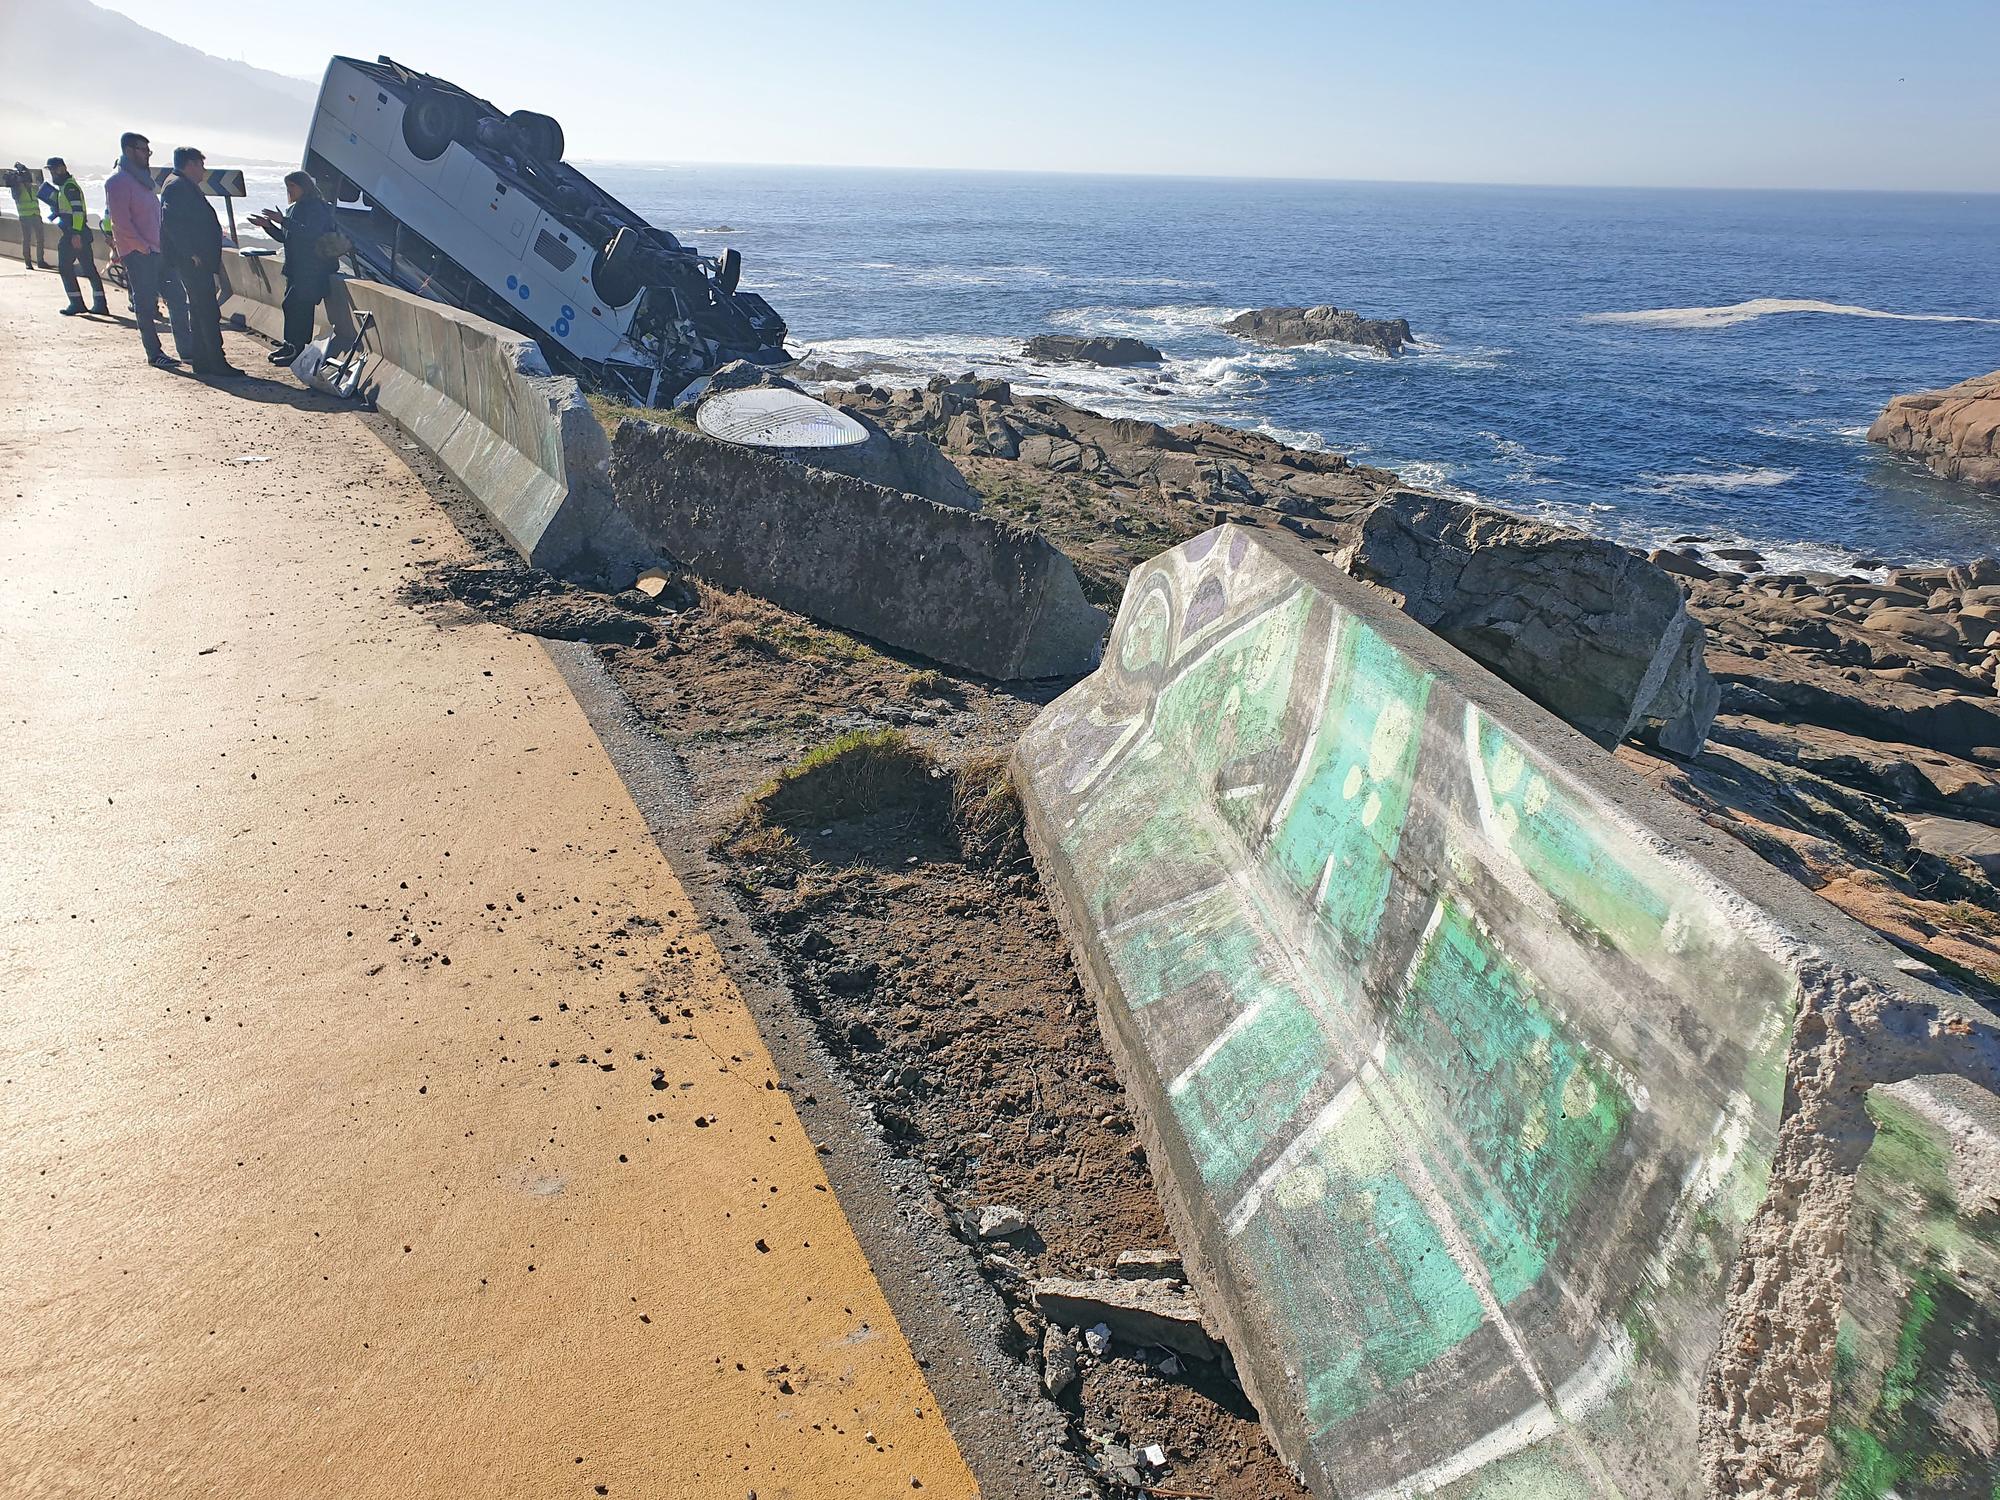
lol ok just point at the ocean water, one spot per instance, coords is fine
(1644, 364)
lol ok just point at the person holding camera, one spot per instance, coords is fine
(73, 241)
(34, 250)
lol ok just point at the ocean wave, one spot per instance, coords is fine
(1174, 319)
(1765, 307)
(1435, 352)
(1715, 479)
(1433, 475)
(973, 275)
(1810, 428)
(1524, 465)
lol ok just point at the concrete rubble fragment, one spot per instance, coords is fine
(1155, 1314)
(1061, 1358)
(997, 1221)
(1149, 1265)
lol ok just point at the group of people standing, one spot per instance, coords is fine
(169, 242)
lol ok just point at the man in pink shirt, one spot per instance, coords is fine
(134, 205)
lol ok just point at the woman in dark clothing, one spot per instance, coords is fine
(312, 244)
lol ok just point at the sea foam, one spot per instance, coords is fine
(1765, 307)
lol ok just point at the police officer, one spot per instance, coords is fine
(33, 248)
(73, 241)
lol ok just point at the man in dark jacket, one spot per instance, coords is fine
(191, 237)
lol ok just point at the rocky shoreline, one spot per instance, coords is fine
(1857, 743)
(1954, 432)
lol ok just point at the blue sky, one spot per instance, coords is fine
(1837, 94)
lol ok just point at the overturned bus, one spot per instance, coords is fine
(444, 195)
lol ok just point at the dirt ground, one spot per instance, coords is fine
(937, 980)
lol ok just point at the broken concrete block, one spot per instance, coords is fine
(1160, 1314)
(959, 587)
(1061, 1360)
(998, 1220)
(1523, 1136)
(1585, 627)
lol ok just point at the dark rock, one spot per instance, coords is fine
(1059, 348)
(1586, 628)
(1682, 562)
(853, 979)
(1288, 327)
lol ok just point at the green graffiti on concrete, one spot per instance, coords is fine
(1343, 1230)
(1337, 840)
(1531, 1114)
(1469, 1086)
(1917, 1400)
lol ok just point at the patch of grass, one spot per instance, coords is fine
(986, 812)
(863, 771)
(1978, 918)
(611, 411)
(762, 844)
(929, 683)
(754, 625)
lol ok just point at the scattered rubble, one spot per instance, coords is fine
(1157, 1314)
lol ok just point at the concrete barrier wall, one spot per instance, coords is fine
(953, 585)
(10, 245)
(1511, 1119)
(523, 442)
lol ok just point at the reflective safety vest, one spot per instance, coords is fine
(75, 212)
(24, 201)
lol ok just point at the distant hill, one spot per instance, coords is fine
(77, 76)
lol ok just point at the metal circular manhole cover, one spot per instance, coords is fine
(766, 418)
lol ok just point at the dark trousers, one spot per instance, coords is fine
(74, 257)
(302, 300)
(145, 279)
(204, 316)
(175, 296)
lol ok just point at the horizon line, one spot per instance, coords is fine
(1168, 175)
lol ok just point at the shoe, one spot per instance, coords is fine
(72, 310)
(284, 354)
(101, 310)
(163, 362)
(220, 372)
(45, 266)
